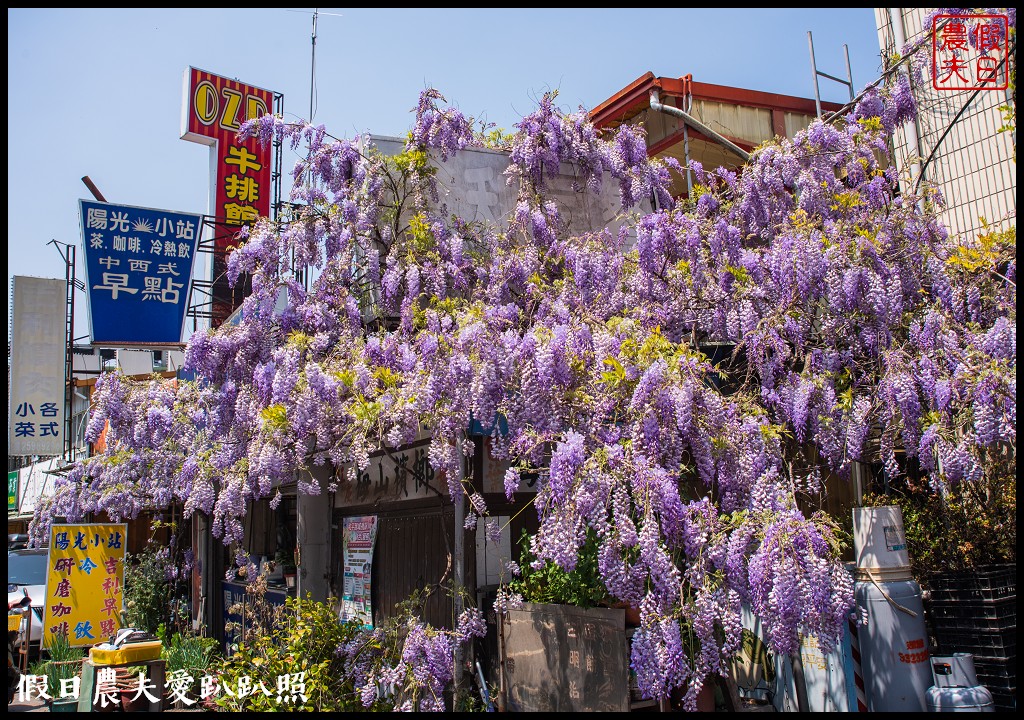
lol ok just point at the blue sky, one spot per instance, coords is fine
(98, 92)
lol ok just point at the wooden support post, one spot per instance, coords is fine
(733, 702)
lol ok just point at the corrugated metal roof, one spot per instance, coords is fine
(744, 117)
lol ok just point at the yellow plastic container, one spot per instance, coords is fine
(134, 652)
(13, 623)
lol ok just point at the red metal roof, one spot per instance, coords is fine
(633, 98)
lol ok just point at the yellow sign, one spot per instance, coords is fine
(84, 582)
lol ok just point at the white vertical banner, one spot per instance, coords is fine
(35, 414)
(359, 537)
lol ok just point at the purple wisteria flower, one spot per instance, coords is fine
(667, 384)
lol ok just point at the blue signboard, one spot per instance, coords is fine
(138, 269)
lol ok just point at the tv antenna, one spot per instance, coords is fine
(312, 61)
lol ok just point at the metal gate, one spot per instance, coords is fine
(413, 552)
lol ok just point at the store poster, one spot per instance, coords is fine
(358, 538)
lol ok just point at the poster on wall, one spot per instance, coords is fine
(359, 536)
(84, 582)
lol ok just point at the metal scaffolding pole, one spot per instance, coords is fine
(815, 72)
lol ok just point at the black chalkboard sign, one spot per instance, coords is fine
(563, 658)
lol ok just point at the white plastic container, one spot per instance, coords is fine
(879, 542)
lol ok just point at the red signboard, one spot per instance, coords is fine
(214, 109)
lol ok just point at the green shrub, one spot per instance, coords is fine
(185, 651)
(149, 598)
(305, 639)
(971, 525)
(156, 583)
(582, 587)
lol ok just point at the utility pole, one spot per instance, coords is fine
(312, 68)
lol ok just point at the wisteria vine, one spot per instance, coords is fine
(853, 325)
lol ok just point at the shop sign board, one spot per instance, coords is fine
(84, 582)
(36, 394)
(138, 270)
(213, 110)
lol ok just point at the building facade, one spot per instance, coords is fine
(956, 143)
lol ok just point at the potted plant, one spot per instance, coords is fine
(64, 663)
(583, 587)
(128, 679)
(288, 567)
(557, 604)
(186, 656)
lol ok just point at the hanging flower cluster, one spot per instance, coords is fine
(854, 325)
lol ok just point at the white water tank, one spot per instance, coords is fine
(880, 543)
(894, 644)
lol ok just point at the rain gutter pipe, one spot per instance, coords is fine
(913, 141)
(697, 125)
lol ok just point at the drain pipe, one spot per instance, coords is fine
(686, 156)
(459, 578)
(686, 149)
(697, 125)
(913, 140)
